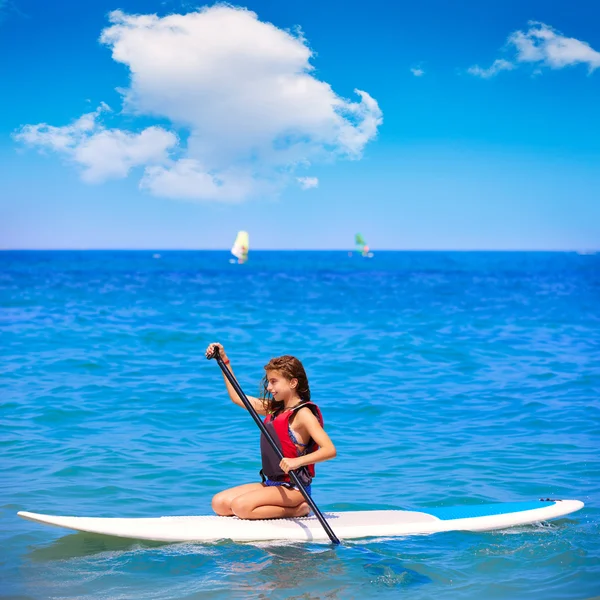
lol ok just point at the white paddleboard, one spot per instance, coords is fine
(346, 525)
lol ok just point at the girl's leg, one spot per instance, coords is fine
(221, 502)
(269, 503)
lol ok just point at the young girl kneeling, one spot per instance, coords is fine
(296, 425)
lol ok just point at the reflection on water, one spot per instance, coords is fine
(81, 561)
(245, 570)
(86, 544)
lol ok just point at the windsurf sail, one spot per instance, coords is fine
(361, 245)
(241, 246)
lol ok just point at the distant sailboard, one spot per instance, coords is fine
(361, 246)
(347, 525)
(240, 247)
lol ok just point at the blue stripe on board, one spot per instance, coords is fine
(446, 513)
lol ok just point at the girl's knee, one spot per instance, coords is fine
(241, 508)
(220, 505)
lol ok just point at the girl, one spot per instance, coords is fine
(296, 425)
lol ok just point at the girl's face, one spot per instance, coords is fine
(279, 387)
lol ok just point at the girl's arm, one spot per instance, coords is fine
(256, 402)
(306, 421)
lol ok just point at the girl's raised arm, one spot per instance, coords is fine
(256, 402)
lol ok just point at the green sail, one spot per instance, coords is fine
(359, 241)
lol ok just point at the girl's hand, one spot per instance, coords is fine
(290, 464)
(211, 350)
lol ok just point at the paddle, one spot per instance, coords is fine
(236, 386)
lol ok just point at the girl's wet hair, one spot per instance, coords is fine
(291, 368)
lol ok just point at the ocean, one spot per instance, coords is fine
(445, 378)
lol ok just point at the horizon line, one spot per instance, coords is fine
(563, 250)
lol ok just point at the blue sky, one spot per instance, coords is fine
(475, 126)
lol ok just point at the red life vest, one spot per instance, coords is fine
(278, 426)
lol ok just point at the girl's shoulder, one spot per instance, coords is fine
(309, 408)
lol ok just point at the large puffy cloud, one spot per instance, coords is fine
(242, 93)
(543, 47)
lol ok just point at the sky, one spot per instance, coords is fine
(424, 126)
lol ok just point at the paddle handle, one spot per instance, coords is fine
(233, 381)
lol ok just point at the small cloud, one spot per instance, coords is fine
(417, 71)
(306, 183)
(543, 47)
(547, 47)
(497, 66)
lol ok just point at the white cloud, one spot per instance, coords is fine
(241, 91)
(417, 71)
(542, 46)
(112, 153)
(60, 139)
(189, 179)
(497, 66)
(102, 153)
(306, 183)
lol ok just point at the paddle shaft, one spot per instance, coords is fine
(236, 386)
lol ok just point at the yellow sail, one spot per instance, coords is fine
(241, 246)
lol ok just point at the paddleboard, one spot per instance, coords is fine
(346, 525)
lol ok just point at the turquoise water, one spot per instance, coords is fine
(444, 379)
